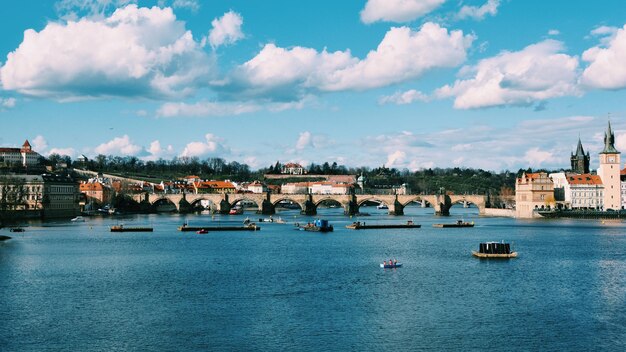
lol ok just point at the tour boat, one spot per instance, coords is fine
(390, 266)
(497, 250)
(317, 226)
(16, 229)
(382, 206)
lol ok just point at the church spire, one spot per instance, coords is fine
(579, 149)
(609, 141)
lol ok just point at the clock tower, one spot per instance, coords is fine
(609, 172)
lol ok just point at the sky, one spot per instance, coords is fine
(491, 84)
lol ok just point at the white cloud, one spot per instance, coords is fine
(73, 9)
(119, 146)
(607, 61)
(192, 5)
(39, 143)
(226, 29)
(554, 32)
(71, 152)
(212, 146)
(479, 12)
(537, 157)
(135, 51)
(8, 103)
(536, 73)
(157, 152)
(287, 74)
(223, 109)
(397, 10)
(396, 159)
(406, 97)
(305, 140)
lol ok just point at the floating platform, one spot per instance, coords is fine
(361, 226)
(121, 228)
(251, 227)
(494, 250)
(456, 224)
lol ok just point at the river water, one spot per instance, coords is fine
(78, 287)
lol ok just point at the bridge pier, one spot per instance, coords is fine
(443, 204)
(396, 208)
(309, 207)
(224, 206)
(352, 207)
(267, 208)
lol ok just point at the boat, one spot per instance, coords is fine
(390, 266)
(78, 219)
(122, 228)
(236, 211)
(202, 231)
(382, 206)
(316, 226)
(249, 227)
(362, 226)
(271, 219)
(496, 250)
(4, 238)
(16, 229)
(458, 223)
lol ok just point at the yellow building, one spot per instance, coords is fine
(533, 191)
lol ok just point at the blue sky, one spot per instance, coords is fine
(406, 83)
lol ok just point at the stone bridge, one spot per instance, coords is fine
(308, 203)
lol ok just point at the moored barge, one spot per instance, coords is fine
(495, 250)
(362, 226)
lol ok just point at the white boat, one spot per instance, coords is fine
(78, 219)
(382, 206)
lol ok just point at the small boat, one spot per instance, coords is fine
(4, 238)
(390, 266)
(202, 231)
(16, 229)
(122, 228)
(78, 219)
(496, 250)
(236, 211)
(382, 206)
(458, 223)
(317, 226)
(361, 226)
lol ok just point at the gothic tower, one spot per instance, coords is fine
(580, 161)
(609, 172)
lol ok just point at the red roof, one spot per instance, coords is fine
(26, 144)
(584, 179)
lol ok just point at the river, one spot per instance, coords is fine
(78, 287)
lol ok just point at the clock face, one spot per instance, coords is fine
(611, 159)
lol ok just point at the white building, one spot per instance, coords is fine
(586, 191)
(256, 187)
(24, 156)
(295, 188)
(292, 169)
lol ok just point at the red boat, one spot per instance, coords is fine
(202, 232)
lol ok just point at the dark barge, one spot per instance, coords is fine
(361, 226)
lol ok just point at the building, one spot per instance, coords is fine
(203, 187)
(60, 196)
(622, 175)
(40, 195)
(256, 187)
(292, 169)
(533, 191)
(96, 192)
(295, 188)
(580, 160)
(585, 191)
(24, 156)
(609, 172)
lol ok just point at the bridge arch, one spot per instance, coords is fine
(286, 198)
(164, 204)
